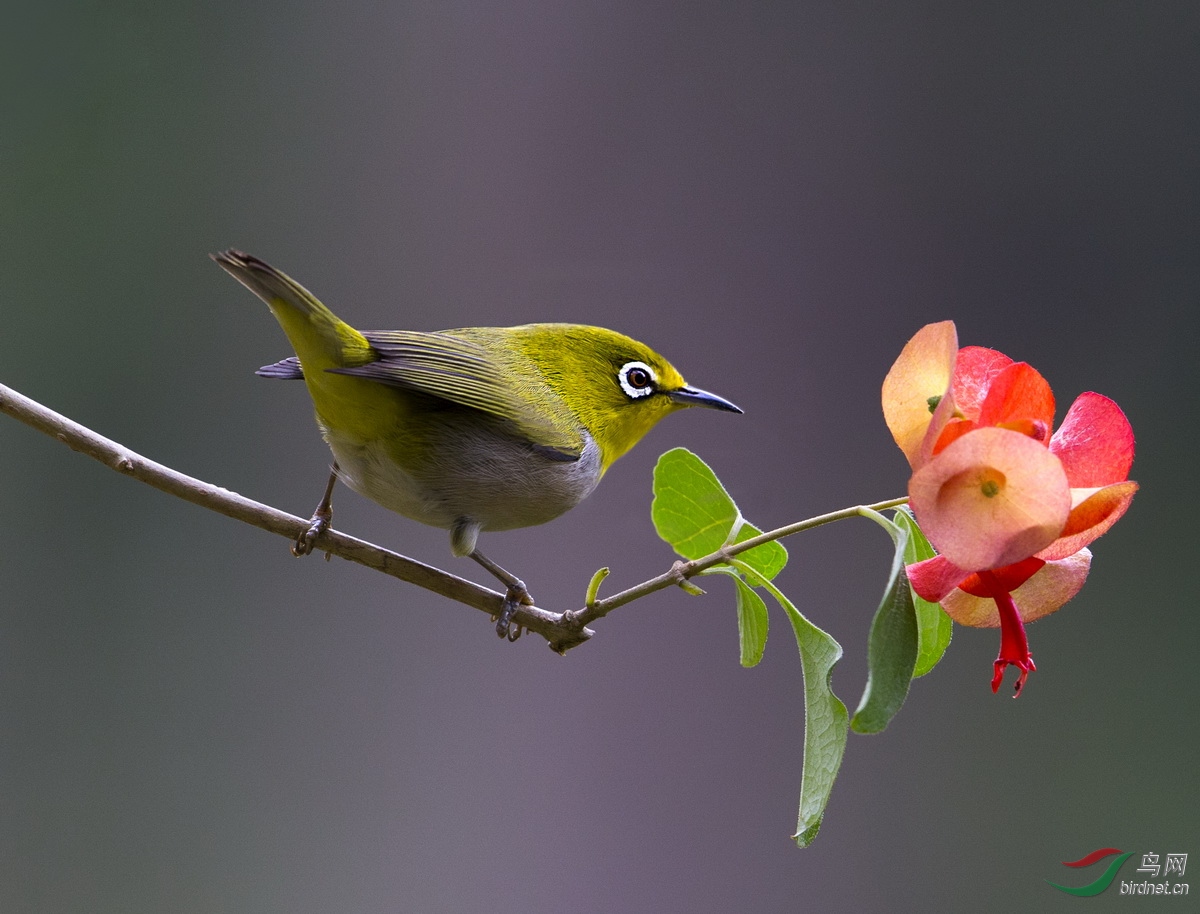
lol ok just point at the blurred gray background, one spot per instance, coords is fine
(776, 196)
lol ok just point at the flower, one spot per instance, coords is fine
(1009, 507)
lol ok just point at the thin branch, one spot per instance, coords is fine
(562, 633)
(683, 571)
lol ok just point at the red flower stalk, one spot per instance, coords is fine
(1014, 646)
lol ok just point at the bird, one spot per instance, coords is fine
(472, 429)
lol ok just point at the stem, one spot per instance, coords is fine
(870, 513)
(682, 571)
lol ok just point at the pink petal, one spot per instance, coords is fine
(974, 370)
(921, 372)
(1053, 586)
(934, 578)
(968, 609)
(1042, 594)
(1095, 442)
(1094, 512)
(992, 498)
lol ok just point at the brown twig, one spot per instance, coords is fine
(561, 634)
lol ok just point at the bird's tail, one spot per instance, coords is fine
(320, 338)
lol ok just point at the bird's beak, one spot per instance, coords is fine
(691, 396)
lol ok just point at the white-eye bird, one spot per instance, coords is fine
(480, 428)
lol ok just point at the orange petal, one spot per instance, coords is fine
(948, 432)
(945, 419)
(1042, 594)
(992, 498)
(921, 373)
(1021, 399)
(1094, 511)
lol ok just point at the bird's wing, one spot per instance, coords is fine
(461, 371)
(286, 370)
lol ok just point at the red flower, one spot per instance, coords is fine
(1009, 507)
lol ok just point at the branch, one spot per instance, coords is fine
(562, 631)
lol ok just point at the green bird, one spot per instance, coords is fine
(479, 428)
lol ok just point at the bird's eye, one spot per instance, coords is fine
(637, 379)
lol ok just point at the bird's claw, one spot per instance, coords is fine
(307, 540)
(516, 596)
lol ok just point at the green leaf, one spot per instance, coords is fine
(752, 622)
(934, 627)
(891, 646)
(693, 512)
(768, 559)
(825, 720)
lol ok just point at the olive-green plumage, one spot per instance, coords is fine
(481, 428)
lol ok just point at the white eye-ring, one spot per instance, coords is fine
(637, 379)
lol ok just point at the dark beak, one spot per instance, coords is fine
(690, 396)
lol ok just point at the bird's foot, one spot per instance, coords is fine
(515, 597)
(322, 520)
